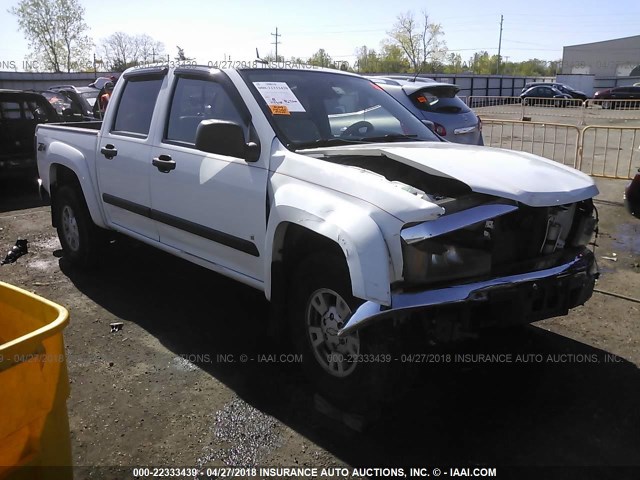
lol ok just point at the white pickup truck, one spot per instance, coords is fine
(319, 189)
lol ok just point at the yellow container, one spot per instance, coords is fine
(34, 387)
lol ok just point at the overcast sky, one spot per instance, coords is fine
(210, 30)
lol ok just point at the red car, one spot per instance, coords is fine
(628, 97)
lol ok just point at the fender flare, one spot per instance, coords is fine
(62, 154)
(342, 222)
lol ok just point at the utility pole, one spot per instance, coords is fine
(499, 46)
(276, 42)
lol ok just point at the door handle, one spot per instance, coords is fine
(164, 163)
(109, 151)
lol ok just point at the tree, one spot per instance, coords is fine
(56, 33)
(367, 60)
(122, 50)
(454, 64)
(392, 59)
(321, 59)
(420, 40)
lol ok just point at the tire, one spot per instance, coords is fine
(321, 302)
(80, 238)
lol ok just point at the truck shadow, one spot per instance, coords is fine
(560, 403)
(18, 194)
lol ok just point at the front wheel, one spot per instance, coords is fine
(79, 236)
(345, 370)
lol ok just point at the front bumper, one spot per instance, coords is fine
(571, 283)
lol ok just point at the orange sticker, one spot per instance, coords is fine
(279, 109)
(422, 100)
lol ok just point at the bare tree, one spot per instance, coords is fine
(420, 40)
(56, 33)
(149, 49)
(122, 50)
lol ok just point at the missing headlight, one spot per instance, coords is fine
(436, 261)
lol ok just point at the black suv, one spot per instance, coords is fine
(20, 112)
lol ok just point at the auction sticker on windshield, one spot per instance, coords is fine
(277, 95)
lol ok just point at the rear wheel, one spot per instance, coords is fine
(320, 306)
(80, 238)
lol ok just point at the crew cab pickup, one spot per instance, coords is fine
(319, 189)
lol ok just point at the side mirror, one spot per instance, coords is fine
(225, 138)
(429, 124)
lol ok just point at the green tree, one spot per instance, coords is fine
(454, 64)
(392, 59)
(367, 60)
(483, 63)
(56, 32)
(321, 59)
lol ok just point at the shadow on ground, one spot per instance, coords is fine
(580, 410)
(19, 194)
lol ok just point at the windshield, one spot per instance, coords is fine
(318, 109)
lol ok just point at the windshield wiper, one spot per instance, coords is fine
(391, 137)
(327, 142)
(339, 141)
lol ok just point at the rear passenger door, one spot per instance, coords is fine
(124, 155)
(207, 205)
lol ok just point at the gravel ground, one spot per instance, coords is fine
(168, 389)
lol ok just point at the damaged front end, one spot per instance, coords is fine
(497, 260)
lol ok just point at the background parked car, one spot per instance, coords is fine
(82, 98)
(20, 112)
(67, 109)
(544, 95)
(572, 92)
(438, 103)
(628, 93)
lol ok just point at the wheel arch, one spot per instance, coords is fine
(330, 224)
(68, 167)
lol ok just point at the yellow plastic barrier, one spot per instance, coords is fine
(34, 387)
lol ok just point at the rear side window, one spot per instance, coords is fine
(136, 105)
(27, 108)
(439, 100)
(10, 110)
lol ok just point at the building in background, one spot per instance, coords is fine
(619, 57)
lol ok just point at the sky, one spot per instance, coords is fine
(216, 30)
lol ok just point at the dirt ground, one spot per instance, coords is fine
(165, 391)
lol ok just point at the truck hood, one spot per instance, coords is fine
(519, 176)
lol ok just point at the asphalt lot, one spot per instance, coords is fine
(164, 390)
